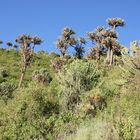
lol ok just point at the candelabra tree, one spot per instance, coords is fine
(108, 42)
(96, 38)
(26, 44)
(64, 41)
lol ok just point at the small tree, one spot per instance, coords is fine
(63, 42)
(78, 45)
(92, 53)
(27, 44)
(112, 46)
(114, 23)
(96, 38)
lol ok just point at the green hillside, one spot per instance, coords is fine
(79, 102)
(74, 95)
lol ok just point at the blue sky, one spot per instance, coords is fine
(46, 18)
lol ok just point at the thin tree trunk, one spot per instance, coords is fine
(22, 75)
(108, 56)
(23, 70)
(111, 57)
(98, 55)
(32, 51)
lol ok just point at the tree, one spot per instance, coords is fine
(26, 44)
(115, 22)
(63, 42)
(96, 38)
(109, 42)
(113, 46)
(77, 44)
(92, 53)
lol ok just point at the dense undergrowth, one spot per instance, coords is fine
(80, 101)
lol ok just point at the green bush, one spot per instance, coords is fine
(25, 117)
(57, 64)
(6, 90)
(75, 79)
(3, 73)
(35, 114)
(41, 76)
(97, 129)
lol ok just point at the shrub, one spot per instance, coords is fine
(125, 129)
(54, 55)
(76, 78)
(29, 115)
(41, 76)
(6, 90)
(91, 103)
(57, 64)
(3, 73)
(95, 130)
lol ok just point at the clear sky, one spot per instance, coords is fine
(46, 18)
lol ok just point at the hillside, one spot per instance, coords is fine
(80, 101)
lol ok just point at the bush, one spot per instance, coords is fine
(57, 64)
(41, 76)
(95, 130)
(54, 55)
(76, 78)
(3, 73)
(35, 114)
(29, 115)
(6, 90)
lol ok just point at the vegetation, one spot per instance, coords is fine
(71, 97)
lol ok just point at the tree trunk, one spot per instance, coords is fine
(111, 57)
(22, 75)
(98, 55)
(108, 56)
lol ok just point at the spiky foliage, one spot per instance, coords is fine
(9, 44)
(134, 46)
(97, 37)
(92, 54)
(113, 47)
(62, 46)
(115, 22)
(107, 38)
(64, 41)
(124, 50)
(78, 45)
(67, 32)
(27, 44)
